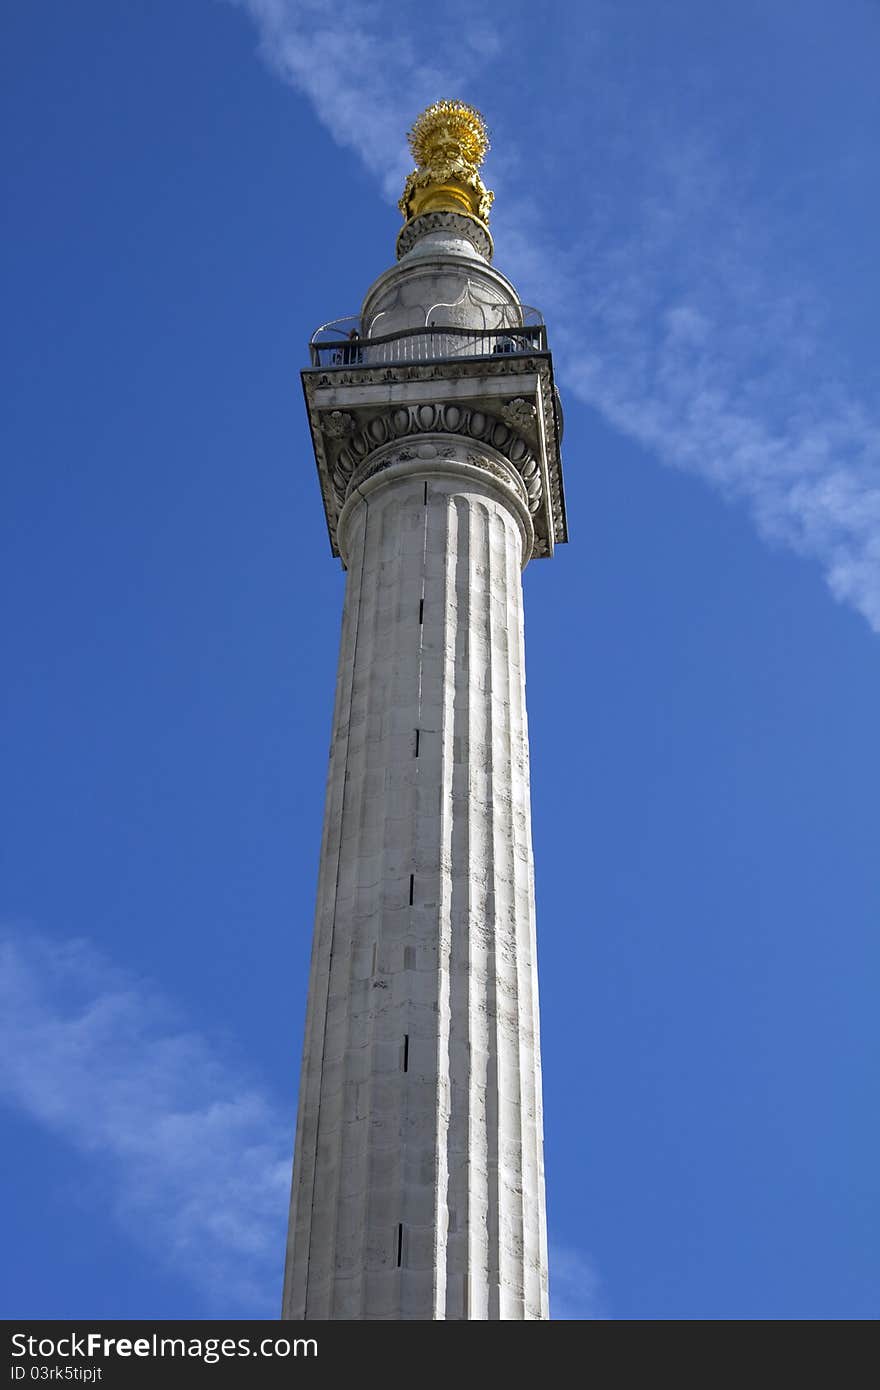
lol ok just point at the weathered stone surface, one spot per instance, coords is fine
(418, 1177)
(352, 412)
(444, 288)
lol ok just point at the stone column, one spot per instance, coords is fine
(418, 1185)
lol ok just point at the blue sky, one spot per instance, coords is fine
(689, 193)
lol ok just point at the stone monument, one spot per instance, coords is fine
(418, 1179)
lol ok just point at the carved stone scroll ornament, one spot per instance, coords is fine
(335, 424)
(519, 413)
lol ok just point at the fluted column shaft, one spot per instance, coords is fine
(418, 1185)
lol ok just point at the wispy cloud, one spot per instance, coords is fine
(196, 1156)
(675, 318)
(364, 74)
(575, 1287)
(716, 362)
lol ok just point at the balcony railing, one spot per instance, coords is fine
(426, 345)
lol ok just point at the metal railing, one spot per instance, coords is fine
(427, 344)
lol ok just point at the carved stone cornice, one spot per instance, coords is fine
(507, 404)
(479, 236)
(444, 417)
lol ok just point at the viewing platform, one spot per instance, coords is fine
(343, 344)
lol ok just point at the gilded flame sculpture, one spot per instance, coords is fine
(449, 142)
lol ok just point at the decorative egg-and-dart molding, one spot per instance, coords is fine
(441, 418)
(508, 403)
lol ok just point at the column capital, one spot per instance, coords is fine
(439, 456)
(504, 407)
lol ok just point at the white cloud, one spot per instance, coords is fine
(197, 1157)
(676, 318)
(575, 1287)
(726, 377)
(365, 76)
